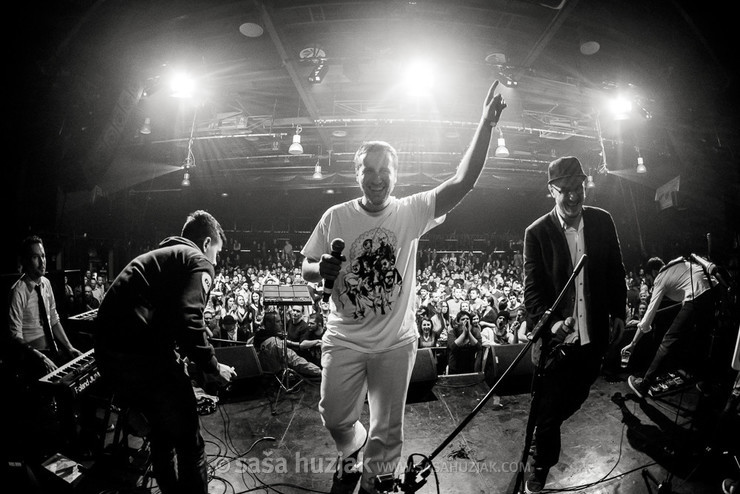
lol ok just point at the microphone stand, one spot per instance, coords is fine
(531, 421)
(415, 475)
(289, 379)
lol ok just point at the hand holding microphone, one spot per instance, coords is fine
(330, 265)
(561, 330)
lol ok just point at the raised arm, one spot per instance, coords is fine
(453, 190)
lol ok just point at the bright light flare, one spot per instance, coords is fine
(182, 85)
(419, 78)
(621, 107)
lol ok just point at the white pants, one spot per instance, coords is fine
(347, 376)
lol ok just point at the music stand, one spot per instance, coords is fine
(285, 296)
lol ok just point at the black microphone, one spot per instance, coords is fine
(709, 246)
(337, 246)
(568, 326)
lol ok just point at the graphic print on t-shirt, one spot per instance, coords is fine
(372, 282)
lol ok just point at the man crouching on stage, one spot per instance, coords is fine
(152, 317)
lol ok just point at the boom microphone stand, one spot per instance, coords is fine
(415, 475)
(519, 483)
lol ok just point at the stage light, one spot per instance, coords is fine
(296, 147)
(146, 127)
(590, 181)
(419, 78)
(182, 86)
(641, 168)
(621, 108)
(190, 158)
(501, 150)
(317, 172)
(319, 72)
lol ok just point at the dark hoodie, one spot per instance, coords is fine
(153, 310)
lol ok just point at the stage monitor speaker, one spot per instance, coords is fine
(500, 359)
(243, 358)
(424, 374)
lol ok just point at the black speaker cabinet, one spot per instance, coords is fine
(424, 374)
(243, 358)
(500, 358)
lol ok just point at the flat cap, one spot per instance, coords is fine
(565, 167)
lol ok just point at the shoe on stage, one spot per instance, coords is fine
(349, 472)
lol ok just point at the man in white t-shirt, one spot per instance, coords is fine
(369, 345)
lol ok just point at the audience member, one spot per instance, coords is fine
(243, 316)
(427, 338)
(502, 333)
(522, 325)
(270, 344)
(463, 345)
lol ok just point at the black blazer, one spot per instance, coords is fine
(547, 266)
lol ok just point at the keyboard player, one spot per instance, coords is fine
(37, 345)
(35, 326)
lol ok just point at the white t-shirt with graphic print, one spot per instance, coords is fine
(372, 300)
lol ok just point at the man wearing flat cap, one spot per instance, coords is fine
(553, 245)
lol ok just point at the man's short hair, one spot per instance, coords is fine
(28, 242)
(655, 264)
(374, 147)
(271, 321)
(201, 224)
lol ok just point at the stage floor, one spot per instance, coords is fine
(613, 437)
(607, 446)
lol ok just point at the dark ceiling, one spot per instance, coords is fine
(95, 70)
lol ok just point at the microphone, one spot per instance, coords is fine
(709, 245)
(710, 268)
(569, 325)
(560, 332)
(337, 246)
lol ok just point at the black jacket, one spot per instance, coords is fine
(548, 265)
(154, 307)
